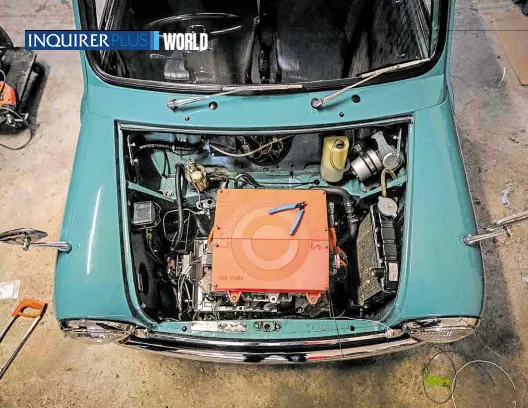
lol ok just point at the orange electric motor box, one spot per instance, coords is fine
(253, 251)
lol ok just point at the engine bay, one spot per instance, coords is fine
(240, 226)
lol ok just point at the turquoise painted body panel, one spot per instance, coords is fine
(440, 275)
(88, 281)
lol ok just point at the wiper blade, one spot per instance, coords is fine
(367, 76)
(395, 67)
(228, 90)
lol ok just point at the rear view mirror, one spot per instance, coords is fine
(30, 236)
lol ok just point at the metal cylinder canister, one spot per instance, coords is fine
(366, 165)
(333, 162)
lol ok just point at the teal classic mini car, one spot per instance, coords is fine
(294, 193)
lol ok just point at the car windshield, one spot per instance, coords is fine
(271, 41)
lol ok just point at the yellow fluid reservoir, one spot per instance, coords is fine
(333, 162)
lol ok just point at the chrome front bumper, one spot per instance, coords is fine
(277, 353)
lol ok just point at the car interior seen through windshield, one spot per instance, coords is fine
(263, 42)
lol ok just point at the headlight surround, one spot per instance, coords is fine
(441, 330)
(97, 331)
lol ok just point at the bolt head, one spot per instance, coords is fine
(316, 103)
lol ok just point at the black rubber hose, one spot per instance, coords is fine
(352, 233)
(200, 227)
(344, 239)
(336, 191)
(179, 203)
(350, 204)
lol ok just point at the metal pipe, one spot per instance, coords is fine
(512, 219)
(60, 246)
(501, 227)
(474, 239)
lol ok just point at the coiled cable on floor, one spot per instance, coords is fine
(478, 362)
(425, 371)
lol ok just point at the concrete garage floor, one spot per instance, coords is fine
(52, 371)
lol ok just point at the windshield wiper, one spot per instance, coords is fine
(319, 102)
(228, 90)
